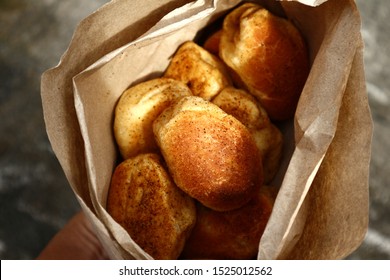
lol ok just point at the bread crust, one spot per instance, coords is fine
(204, 73)
(210, 154)
(144, 200)
(267, 56)
(269, 139)
(230, 235)
(136, 110)
(212, 43)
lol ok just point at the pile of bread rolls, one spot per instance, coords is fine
(199, 145)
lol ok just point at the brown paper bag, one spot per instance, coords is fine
(321, 211)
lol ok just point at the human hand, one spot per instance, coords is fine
(75, 241)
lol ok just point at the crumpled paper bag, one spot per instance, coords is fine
(321, 211)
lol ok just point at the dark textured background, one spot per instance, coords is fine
(35, 198)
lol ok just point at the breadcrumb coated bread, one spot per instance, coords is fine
(199, 143)
(267, 56)
(245, 108)
(210, 154)
(137, 109)
(230, 235)
(144, 200)
(203, 72)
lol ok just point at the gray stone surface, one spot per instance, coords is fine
(375, 31)
(35, 198)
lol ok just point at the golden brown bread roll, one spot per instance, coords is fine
(210, 154)
(267, 56)
(248, 111)
(232, 234)
(136, 110)
(203, 72)
(144, 200)
(212, 43)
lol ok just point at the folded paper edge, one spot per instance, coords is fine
(313, 3)
(267, 240)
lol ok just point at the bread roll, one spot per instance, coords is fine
(136, 110)
(203, 72)
(210, 154)
(232, 234)
(212, 43)
(247, 110)
(267, 56)
(144, 200)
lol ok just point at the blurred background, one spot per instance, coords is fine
(35, 198)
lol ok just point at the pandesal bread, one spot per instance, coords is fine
(212, 43)
(209, 153)
(232, 234)
(269, 140)
(136, 110)
(203, 72)
(143, 199)
(267, 56)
